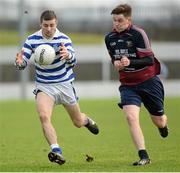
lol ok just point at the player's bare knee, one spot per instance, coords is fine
(160, 121)
(44, 117)
(132, 119)
(78, 122)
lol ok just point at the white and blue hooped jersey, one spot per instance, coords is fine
(60, 70)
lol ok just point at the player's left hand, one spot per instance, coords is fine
(64, 54)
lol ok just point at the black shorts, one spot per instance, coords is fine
(150, 93)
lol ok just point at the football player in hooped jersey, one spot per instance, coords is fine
(54, 82)
(132, 57)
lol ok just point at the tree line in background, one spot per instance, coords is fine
(161, 21)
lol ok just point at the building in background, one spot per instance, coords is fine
(157, 16)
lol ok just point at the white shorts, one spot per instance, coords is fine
(63, 93)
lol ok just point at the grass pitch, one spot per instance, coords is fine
(23, 147)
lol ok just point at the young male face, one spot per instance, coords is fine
(120, 22)
(48, 28)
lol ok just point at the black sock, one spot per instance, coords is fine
(143, 154)
(165, 127)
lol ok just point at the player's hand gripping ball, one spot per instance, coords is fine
(44, 54)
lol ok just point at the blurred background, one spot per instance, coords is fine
(86, 22)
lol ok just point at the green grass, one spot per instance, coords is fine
(12, 38)
(23, 147)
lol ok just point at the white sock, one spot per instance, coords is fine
(86, 121)
(54, 146)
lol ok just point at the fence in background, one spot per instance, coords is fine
(96, 78)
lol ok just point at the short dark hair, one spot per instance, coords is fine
(48, 15)
(124, 9)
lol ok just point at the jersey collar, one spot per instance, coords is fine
(126, 30)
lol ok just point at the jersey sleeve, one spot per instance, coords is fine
(27, 49)
(72, 58)
(142, 44)
(107, 43)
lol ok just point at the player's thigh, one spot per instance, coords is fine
(44, 104)
(160, 121)
(129, 96)
(153, 97)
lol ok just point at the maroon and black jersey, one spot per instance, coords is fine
(133, 43)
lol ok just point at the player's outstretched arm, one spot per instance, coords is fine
(19, 62)
(68, 54)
